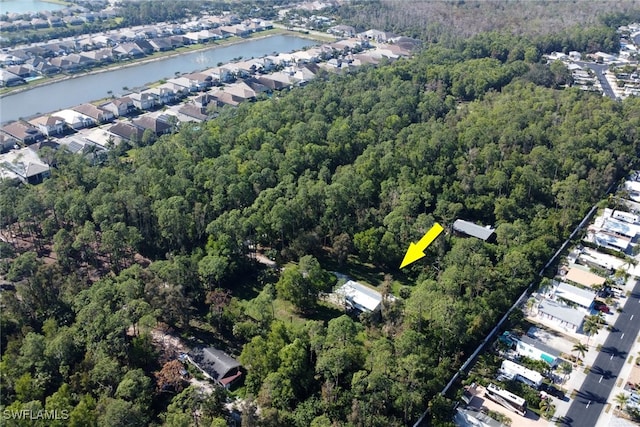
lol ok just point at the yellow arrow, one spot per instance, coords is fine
(416, 250)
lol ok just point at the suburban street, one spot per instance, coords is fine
(596, 388)
(600, 69)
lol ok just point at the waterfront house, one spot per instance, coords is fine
(142, 101)
(99, 115)
(144, 46)
(7, 78)
(74, 119)
(21, 71)
(100, 56)
(202, 80)
(42, 66)
(128, 50)
(163, 94)
(162, 44)
(23, 132)
(190, 84)
(120, 106)
(49, 125)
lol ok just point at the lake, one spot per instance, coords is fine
(24, 6)
(67, 93)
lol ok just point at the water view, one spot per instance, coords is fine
(67, 93)
(24, 6)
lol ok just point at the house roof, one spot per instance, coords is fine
(23, 164)
(584, 278)
(473, 230)
(20, 130)
(92, 111)
(47, 120)
(126, 131)
(155, 124)
(537, 344)
(362, 297)
(607, 239)
(568, 292)
(510, 368)
(562, 313)
(215, 362)
(192, 111)
(620, 227)
(470, 418)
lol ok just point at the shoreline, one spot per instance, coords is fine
(134, 63)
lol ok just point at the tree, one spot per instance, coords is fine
(580, 349)
(546, 406)
(301, 284)
(566, 369)
(591, 327)
(621, 400)
(170, 379)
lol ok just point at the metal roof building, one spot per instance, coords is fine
(474, 230)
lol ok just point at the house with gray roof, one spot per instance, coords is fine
(470, 229)
(23, 165)
(216, 365)
(565, 317)
(536, 350)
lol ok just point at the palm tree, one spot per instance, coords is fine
(546, 406)
(591, 327)
(580, 350)
(566, 369)
(622, 400)
(531, 303)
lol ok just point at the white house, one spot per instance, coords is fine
(536, 350)
(359, 297)
(513, 371)
(572, 295)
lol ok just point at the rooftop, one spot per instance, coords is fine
(362, 297)
(571, 293)
(473, 230)
(562, 313)
(535, 343)
(583, 277)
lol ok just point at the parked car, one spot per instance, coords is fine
(602, 307)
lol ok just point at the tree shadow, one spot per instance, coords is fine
(589, 396)
(613, 351)
(606, 374)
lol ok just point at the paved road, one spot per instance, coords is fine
(595, 390)
(599, 69)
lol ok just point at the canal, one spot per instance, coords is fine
(70, 92)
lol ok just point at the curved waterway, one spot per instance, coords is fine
(86, 88)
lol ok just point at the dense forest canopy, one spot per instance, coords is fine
(451, 21)
(342, 173)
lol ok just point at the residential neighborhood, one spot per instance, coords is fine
(570, 319)
(196, 96)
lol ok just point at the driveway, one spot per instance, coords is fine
(597, 386)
